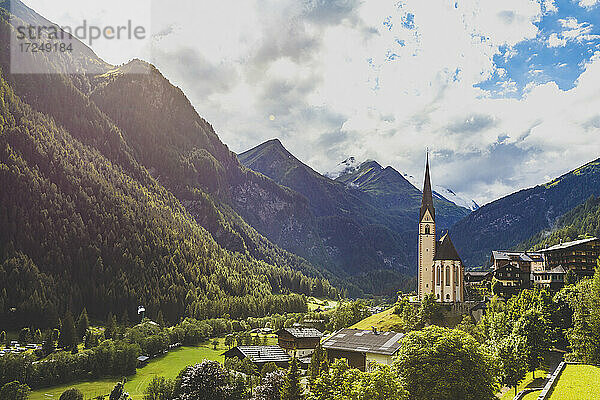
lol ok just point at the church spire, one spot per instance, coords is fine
(427, 201)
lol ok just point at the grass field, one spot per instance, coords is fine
(532, 395)
(577, 382)
(528, 382)
(382, 321)
(168, 366)
(323, 304)
(549, 364)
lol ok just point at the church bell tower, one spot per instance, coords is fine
(426, 239)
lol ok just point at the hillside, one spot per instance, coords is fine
(362, 240)
(89, 221)
(583, 221)
(71, 214)
(513, 219)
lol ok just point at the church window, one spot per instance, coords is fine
(447, 297)
(427, 230)
(455, 275)
(447, 276)
(438, 276)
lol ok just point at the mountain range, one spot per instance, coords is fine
(511, 220)
(366, 216)
(351, 165)
(121, 194)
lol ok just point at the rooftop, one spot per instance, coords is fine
(516, 255)
(301, 332)
(445, 250)
(260, 354)
(556, 270)
(566, 245)
(364, 341)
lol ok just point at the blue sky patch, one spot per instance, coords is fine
(566, 41)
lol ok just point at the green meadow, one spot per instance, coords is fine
(578, 382)
(168, 366)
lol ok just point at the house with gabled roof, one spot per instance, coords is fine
(363, 348)
(299, 341)
(260, 355)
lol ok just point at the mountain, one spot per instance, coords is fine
(390, 190)
(513, 219)
(347, 166)
(113, 205)
(581, 222)
(444, 193)
(367, 216)
(360, 237)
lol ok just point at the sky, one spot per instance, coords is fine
(505, 94)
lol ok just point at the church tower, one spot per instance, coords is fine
(427, 241)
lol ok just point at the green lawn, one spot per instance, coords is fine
(382, 321)
(168, 366)
(528, 382)
(551, 361)
(578, 382)
(532, 395)
(323, 304)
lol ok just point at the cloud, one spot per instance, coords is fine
(555, 41)
(385, 79)
(472, 124)
(589, 3)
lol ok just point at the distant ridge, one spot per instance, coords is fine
(508, 221)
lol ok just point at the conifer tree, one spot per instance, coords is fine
(318, 362)
(292, 390)
(160, 319)
(111, 327)
(83, 323)
(67, 338)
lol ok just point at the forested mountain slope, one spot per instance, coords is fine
(510, 220)
(83, 222)
(581, 222)
(157, 140)
(77, 230)
(368, 220)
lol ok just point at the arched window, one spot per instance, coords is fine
(447, 276)
(438, 276)
(455, 275)
(427, 230)
(448, 297)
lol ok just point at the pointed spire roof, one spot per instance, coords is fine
(427, 201)
(445, 250)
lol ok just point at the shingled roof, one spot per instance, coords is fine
(445, 250)
(301, 332)
(362, 341)
(259, 354)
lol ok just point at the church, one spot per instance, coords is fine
(440, 269)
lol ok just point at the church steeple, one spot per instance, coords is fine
(427, 201)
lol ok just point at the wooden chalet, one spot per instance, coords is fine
(299, 340)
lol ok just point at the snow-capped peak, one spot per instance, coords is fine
(348, 166)
(445, 193)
